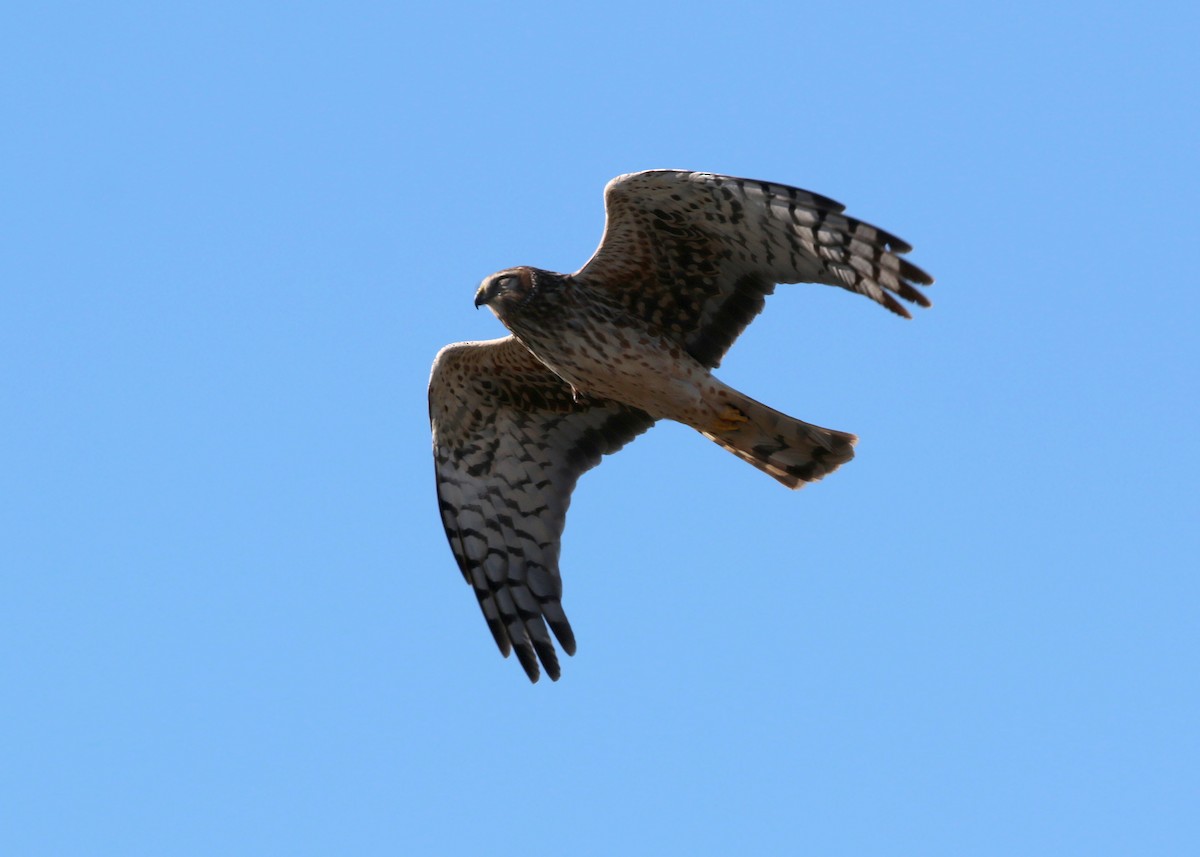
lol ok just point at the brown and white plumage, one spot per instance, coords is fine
(509, 443)
(686, 262)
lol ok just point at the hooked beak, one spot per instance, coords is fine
(486, 292)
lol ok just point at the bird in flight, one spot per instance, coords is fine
(594, 358)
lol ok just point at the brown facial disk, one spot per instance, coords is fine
(511, 286)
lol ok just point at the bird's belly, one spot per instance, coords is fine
(634, 367)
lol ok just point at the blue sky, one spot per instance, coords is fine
(233, 237)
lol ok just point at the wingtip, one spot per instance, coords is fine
(528, 663)
(894, 305)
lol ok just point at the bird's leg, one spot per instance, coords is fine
(729, 420)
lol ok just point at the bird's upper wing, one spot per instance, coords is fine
(696, 254)
(509, 443)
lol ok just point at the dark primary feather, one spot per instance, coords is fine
(509, 444)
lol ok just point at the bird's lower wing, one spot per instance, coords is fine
(509, 443)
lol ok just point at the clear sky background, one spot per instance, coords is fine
(234, 235)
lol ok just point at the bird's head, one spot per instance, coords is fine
(506, 289)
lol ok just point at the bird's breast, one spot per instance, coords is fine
(625, 363)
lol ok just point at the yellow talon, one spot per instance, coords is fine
(730, 419)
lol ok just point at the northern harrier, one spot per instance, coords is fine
(596, 357)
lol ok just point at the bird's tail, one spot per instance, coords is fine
(791, 451)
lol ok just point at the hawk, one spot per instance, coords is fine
(596, 357)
